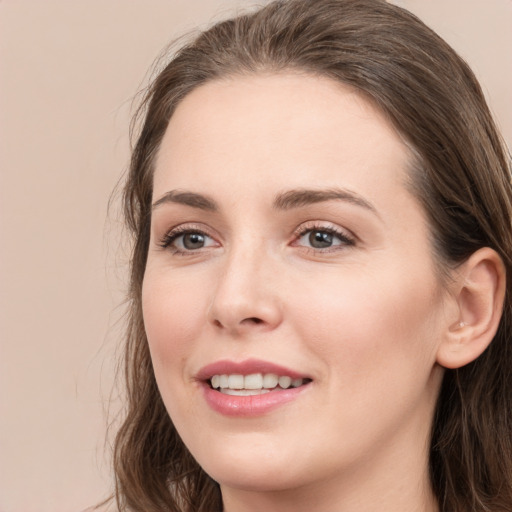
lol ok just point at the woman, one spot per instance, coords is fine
(320, 291)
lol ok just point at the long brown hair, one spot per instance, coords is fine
(461, 176)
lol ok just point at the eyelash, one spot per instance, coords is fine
(347, 240)
(169, 238)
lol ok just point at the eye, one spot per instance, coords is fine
(319, 238)
(187, 240)
(191, 241)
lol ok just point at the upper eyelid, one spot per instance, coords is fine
(299, 231)
(324, 226)
(185, 227)
(171, 234)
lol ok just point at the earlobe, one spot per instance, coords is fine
(479, 293)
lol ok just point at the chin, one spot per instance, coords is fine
(254, 469)
(255, 479)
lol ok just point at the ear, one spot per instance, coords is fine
(479, 292)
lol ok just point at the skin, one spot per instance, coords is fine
(363, 318)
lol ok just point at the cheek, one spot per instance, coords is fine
(376, 338)
(173, 313)
(373, 325)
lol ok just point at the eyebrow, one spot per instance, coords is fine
(288, 200)
(302, 197)
(187, 198)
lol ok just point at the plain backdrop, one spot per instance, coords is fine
(69, 70)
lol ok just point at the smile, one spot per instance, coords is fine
(253, 384)
(250, 388)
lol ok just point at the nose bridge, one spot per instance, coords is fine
(245, 296)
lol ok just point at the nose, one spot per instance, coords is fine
(246, 298)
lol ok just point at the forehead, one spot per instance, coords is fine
(279, 130)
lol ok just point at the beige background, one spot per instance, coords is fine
(69, 69)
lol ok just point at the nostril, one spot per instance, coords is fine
(253, 320)
(233, 324)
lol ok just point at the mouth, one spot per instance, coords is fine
(250, 388)
(254, 383)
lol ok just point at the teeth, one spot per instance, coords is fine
(245, 392)
(254, 381)
(285, 382)
(297, 382)
(253, 384)
(236, 382)
(270, 380)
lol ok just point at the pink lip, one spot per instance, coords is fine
(247, 406)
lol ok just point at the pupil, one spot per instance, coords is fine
(320, 239)
(193, 241)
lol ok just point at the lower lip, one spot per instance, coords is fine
(252, 405)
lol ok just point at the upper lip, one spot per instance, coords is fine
(246, 367)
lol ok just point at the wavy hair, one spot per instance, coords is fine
(461, 177)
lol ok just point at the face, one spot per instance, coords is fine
(290, 297)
